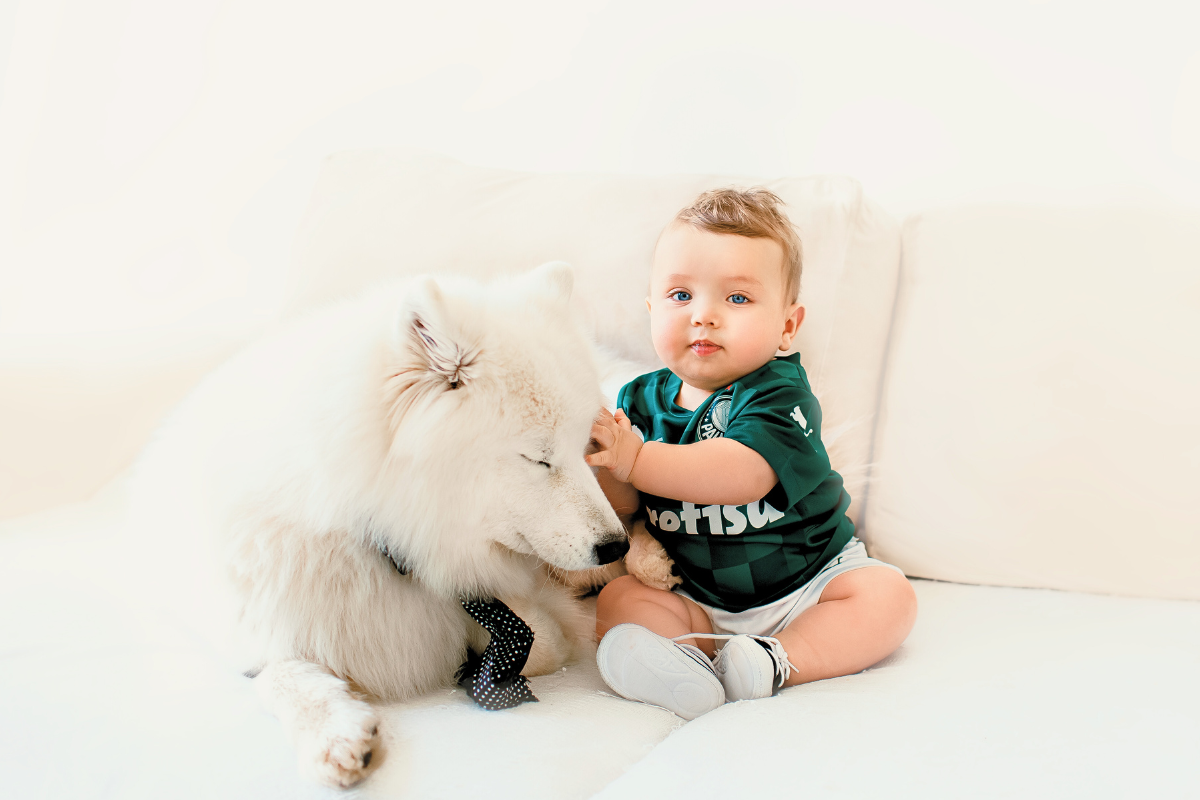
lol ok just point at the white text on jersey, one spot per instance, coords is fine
(735, 518)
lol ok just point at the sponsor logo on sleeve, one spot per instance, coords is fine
(798, 415)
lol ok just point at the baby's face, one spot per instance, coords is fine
(717, 310)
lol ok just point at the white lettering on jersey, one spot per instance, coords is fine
(757, 514)
(760, 517)
(713, 515)
(737, 520)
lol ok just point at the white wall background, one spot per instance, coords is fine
(156, 155)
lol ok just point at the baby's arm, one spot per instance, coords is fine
(622, 496)
(711, 472)
(647, 560)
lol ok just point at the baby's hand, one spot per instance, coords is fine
(619, 445)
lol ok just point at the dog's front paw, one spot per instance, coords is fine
(648, 561)
(339, 752)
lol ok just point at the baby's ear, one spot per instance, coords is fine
(791, 325)
(554, 280)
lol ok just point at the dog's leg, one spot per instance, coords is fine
(334, 731)
(648, 561)
(552, 648)
(585, 580)
(562, 628)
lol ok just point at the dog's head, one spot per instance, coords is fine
(490, 395)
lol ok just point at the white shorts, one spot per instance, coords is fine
(770, 619)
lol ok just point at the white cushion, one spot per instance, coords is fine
(75, 415)
(997, 693)
(996, 690)
(1040, 420)
(93, 667)
(384, 213)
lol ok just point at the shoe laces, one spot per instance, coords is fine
(783, 665)
(698, 655)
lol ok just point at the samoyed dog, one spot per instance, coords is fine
(442, 422)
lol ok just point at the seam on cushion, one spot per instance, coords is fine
(856, 208)
(884, 374)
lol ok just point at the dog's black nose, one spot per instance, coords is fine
(610, 551)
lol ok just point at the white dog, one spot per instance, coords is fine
(443, 422)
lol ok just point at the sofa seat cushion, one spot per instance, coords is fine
(103, 694)
(997, 693)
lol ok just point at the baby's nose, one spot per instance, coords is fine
(703, 315)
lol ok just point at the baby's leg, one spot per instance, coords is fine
(861, 618)
(627, 599)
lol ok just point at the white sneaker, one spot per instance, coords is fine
(750, 667)
(638, 664)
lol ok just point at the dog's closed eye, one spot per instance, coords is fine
(545, 464)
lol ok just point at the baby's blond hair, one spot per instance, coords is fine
(756, 213)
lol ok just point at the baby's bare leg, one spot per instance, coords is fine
(861, 618)
(627, 599)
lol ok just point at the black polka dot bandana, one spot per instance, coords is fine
(494, 679)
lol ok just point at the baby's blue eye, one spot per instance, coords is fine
(738, 299)
(680, 296)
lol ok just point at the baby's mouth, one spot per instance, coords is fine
(704, 347)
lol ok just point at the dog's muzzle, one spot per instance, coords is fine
(610, 551)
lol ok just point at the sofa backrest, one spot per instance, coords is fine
(1041, 423)
(378, 214)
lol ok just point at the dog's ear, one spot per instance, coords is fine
(430, 355)
(554, 280)
(430, 336)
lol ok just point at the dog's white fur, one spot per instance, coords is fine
(443, 420)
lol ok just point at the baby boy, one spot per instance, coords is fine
(734, 482)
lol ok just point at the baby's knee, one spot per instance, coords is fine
(612, 593)
(618, 589)
(883, 593)
(625, 598)
(895, 595)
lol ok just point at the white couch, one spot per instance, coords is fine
(1011, 392)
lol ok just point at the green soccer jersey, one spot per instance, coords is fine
(739, 557)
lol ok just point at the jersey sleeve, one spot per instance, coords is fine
(782, 423)
(632, 401)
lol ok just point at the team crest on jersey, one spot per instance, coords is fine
(716, 419)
